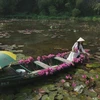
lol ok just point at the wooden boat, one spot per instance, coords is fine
(27, 70)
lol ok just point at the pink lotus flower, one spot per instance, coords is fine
(91, 78)
(75, 60)
(39, 58)
(87, 50)
(73, 84)
(84, 76)
(41, 72)
(87, 82)
(21, 61)
(63, 54)
(41, 91)
(58, 55)
(51, 55)
(58, 68)
(82, 56)
(44, 57)
(26, 61)
(30, 59)
(97, 76)
(51, 70)
(76, 49)
(68, 77)
(46, 72)
(63, 81)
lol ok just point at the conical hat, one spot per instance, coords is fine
(80, 39)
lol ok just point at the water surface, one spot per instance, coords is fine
(39, 37)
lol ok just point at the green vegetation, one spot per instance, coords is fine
(48, 8)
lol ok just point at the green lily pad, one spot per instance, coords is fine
(94, 65)
(20, 98)
(60, 89)
(66, 84)
(52, 95)
(90, 93)
(65, 93)
(66, 98)
(37, 97)
(26, 90)
(6, 97)
(45, 89)
(59, 97)
(52, 87)
(45, 97)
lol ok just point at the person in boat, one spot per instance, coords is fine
(77, 49)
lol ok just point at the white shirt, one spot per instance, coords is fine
(75, 51)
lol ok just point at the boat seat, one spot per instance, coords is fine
(43, 65)
(62, 59)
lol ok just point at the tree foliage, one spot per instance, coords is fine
(50, 7)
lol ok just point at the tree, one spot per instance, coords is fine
(75, 12)
(97, 8)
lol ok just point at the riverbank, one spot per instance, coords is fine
(36, 17)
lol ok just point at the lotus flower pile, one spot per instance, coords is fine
(26, 61)
(40, 58)
(46, 71)
(50, 56)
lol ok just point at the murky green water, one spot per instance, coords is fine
(39, 37)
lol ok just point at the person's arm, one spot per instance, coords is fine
(74, 47)
(83, 51)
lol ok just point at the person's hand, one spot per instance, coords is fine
(87, 54)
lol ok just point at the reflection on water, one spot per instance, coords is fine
(40, 37)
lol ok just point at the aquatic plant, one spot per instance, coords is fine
(84, 76)
(73, 84)
(50, 56)
(68, 76)
(87, 82)
(40, 58)
(62, 81)
(97, 76)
